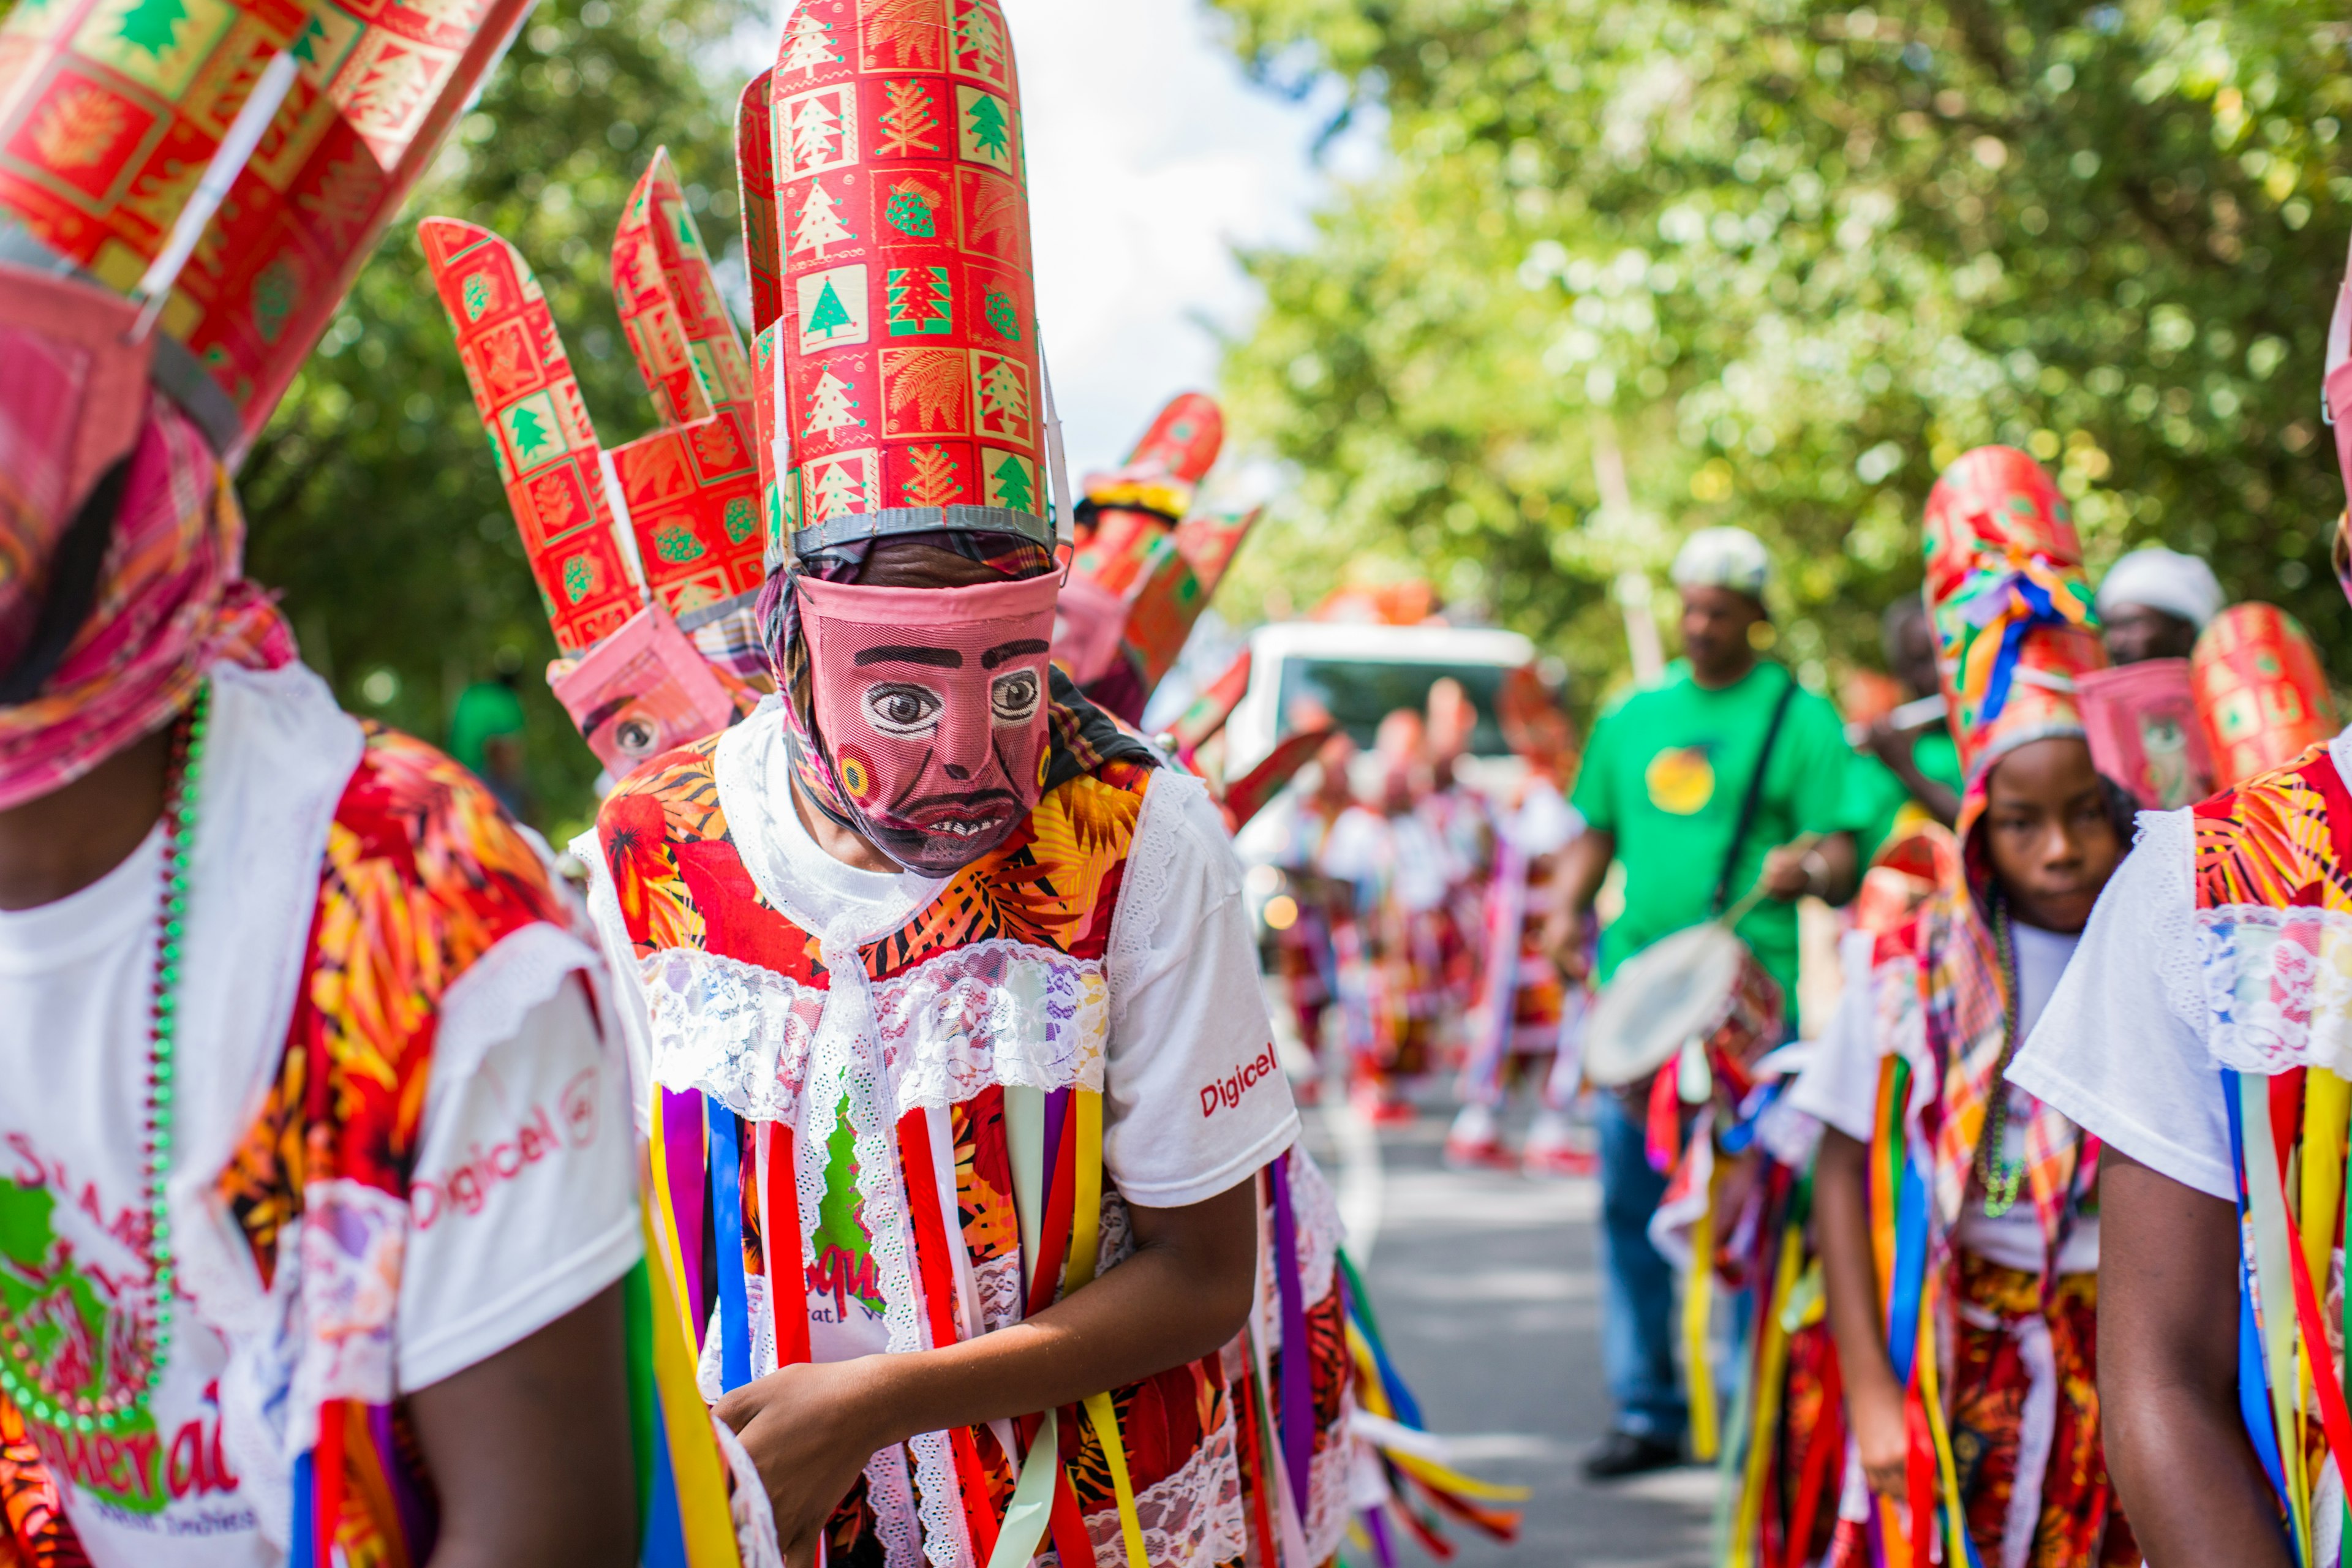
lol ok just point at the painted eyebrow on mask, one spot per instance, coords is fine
(938, 658)
(1010, 650)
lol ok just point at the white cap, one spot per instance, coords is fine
(2160, 579)
(1724, 558)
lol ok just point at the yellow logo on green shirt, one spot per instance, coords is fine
(1681, 781)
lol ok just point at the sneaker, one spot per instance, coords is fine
(1623, 1454)
(1380, 1107)
(1474, 1142)
(1552, 1150)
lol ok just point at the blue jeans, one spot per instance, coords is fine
(1637, 1315)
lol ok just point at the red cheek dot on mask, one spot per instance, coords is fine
(855, 778)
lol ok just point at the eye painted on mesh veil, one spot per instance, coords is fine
(903, 711)
(1015, 697)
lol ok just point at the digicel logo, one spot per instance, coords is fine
(1226, 1092)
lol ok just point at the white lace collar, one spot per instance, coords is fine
(753, 769)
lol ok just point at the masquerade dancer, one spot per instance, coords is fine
(2199, 1034)
(1402, 871)
(1949, 1206)
(977, 1172)
(1523, 1026)
(318, 1190)
(1307, 951)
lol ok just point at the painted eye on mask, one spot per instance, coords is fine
(1015, 696)
(903, 711)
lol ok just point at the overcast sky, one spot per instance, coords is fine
(1150, 156)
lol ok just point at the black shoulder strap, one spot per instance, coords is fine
(1755, 796)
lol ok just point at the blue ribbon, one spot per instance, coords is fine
(2254, 1376)
(727, 1237)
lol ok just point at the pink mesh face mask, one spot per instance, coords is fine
(931, 710)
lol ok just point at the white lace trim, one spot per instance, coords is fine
(892, 1498)
(1330, 1487)
(485, 1006)
(995, 1012)
(754, 1516)
(1151, 860)
(2278, 987)
(1191, 1518)
(738, 1032)
(1316, 1210)
(2167, 842)
(333, 1309)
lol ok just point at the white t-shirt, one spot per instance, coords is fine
(2121, 1047)
(1839, 1087)
(1192, 1100)
(524, 1205)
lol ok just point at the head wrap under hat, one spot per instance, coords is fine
(2014, 624)
(1730, 558)
(900, 393)
(135, 381)
(2179, 585)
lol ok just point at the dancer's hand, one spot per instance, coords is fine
(1563, 938)
(811, 1429)
(1879, 1434)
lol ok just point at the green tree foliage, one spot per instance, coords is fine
(372, 497)
(1795, 256)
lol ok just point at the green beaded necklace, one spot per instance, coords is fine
(115, 1412)
(2000, 1176)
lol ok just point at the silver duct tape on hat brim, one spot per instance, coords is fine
(174, 371)
(894, 521)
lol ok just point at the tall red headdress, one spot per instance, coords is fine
(1145, 564)
(887, 218)
(2014, 624)
(228, 162)
(2260, 691)
(633, 544)
(186, 189)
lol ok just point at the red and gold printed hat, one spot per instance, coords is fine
(671, 519)
(1166, 467)
(1146, 566)
(887, 218)
(229, 164)
(2262, 692)
(2014, 622)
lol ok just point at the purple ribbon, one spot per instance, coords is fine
(682, 1129)
(1297, 1414)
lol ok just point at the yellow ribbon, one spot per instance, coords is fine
(1698, 1308)
(1085, 1225)
(710, 1526)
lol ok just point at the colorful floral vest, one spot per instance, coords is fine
(941, 1182)
(422, 877)
(2274, 923)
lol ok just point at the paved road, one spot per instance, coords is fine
(1488, 1290)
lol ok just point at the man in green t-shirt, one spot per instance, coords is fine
(1903, 763)
(1663, 785)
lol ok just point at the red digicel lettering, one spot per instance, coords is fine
(1225, 1094)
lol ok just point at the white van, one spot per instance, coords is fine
(1360, 674)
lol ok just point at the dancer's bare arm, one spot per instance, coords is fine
(2169, 1374)
(530, 1450)
(1874, 1400)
